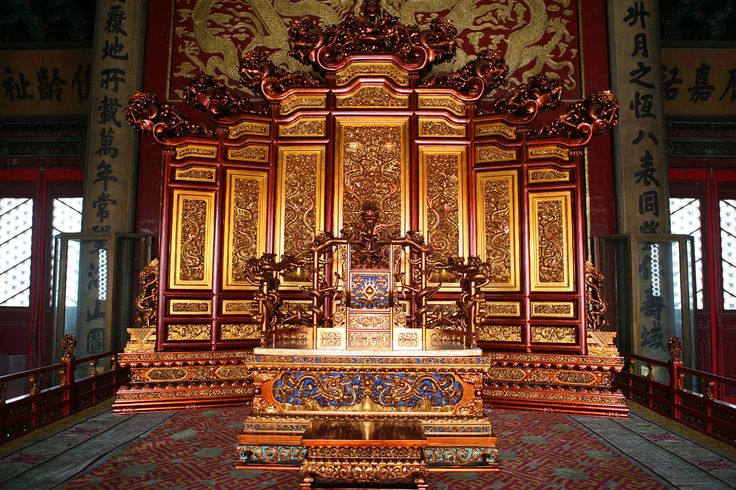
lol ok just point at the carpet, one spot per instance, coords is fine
(196, 449)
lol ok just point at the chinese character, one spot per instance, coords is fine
(101, 203)
(640, 137)
(650, 226)
(114, 50)
(115, 18)
(647, 173)
(731, 86)
(640, 45)
(106, 144)
(81, 81)
(109, 110)
(104, 175)
(642, 105)
(652, 305)
(636, 13)
(649, 203)
(640, 72)
(15, 90)
(702, 89)
(653, 337)
(670, 91)
(50, 88)
(114, 76)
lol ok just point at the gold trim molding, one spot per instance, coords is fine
(547, 151)
(188, 331)
(439, 128)
(196, 174)
(371, 69)
(190, 307)
(548, 174)
(199, 151)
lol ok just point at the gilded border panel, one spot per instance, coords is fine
(493, 153)
(499, 333)
(497, 217)
(240, 331)
(238, 307)
(553, 309)
(199, 151)
(553, 335)
(550, 241)
(447, 102)
(372, 155)
(371, 69)
(547, 151)
(306, 126)
(188, 331)
(190, 307)
(548, 174)
(300, 205)
(192, 235)
(503, 308)
(196, 174)
(249, 153)
(443, 194)
(299, 101)
(249, 128)
(245, 223)
(436, 127)
(495, 129)
(370, 97)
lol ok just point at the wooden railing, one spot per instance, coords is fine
(686, 395)
(50, 393)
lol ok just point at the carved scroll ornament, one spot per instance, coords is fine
(593, 116)
(258, 73)
(540, 94)
(206, 94)
(162, 121)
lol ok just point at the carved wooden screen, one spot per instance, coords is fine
(475, 178)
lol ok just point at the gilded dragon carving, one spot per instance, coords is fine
(206, 94)
(162, 121)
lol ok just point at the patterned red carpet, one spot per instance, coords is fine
(196, 449)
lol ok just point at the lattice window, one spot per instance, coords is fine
(16, 234)
(67, 218)
(685, 219)
(727, 209)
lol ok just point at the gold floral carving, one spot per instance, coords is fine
(369, 340)
(194, 331)
(233, 372)
(371, 96)
(351, 452)
(199, 151)
(331, 338)
(369, 321)
(548, 151)
(365, 471)
(294, 102)
(442, 102)
(439, 128)
(251, 153)
(239, 331)
(373, 157)
(360, 69)
(551, 248)
(304, 127)
(196, 174)
(555, 396)
(553, 310)
(491, 153)
(442, 180)
(238, 307)
(205, 393)
(250, 128)
(501, 308)
(548, 175)
(407, 339)
(498, 239)
(575, 377)
(506, 374)
(192, 229)
(499, 333)
(496, 129)
(165, 374)
(554, 335)
(189, 306)
(444, 339)
(292, 338)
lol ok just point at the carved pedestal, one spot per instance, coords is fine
(368, 417)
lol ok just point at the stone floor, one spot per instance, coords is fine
(73, 449)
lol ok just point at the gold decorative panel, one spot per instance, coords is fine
(550, 241)
(196, 174)
(331, 338)
(499, 333)
(434, 101)
(372, 96)
(300, 208)
(547, 151)
(240, 331)
(358, 69)
(554, 335)
(372, 165)
(369, 340)
(498, 228)
(503, 308)
(192, 232)
(443, 194)
(495, 129)
(190, 307)
(250, 153)
(295, 102)
(192, 331)
(439, 128)
(560, 309)
(248, 128)
(407, 339)
(492, 153)
(238, 307)
(539, 175)
(307, 126)
(245, 223)
(199, 151)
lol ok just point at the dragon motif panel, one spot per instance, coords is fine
(192, 230)
(550, 241)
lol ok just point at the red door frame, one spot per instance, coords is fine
(40, 180)
(714, 182)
